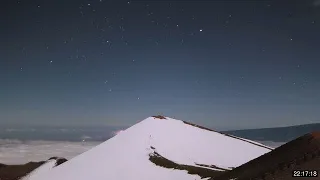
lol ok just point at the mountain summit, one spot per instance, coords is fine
(159, 148)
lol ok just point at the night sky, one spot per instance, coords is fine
(223, 64)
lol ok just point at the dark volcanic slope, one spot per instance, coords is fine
(15, 172)
(302, 153)
(203, 172)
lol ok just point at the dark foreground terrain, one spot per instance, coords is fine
(15, 172)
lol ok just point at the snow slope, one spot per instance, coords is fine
(47, 166)
(126, 155)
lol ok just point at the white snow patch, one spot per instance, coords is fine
(126, 155)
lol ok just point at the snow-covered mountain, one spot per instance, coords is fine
(158, 148)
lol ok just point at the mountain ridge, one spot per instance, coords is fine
(140, 151)
(277, 134)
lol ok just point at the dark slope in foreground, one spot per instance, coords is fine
(279, 134)
(15, 172)
(302, 153)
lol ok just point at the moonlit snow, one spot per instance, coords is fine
(126, 155)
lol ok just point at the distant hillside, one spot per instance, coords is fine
(280, 134)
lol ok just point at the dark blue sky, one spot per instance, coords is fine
(224, 64)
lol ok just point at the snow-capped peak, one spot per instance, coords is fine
(159, 148)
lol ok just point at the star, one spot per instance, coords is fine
(201, 30)
(84, 57)
(51, 62)
(89, 4)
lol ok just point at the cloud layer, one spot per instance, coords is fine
(18, 152)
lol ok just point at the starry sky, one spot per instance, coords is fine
(223, 64)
